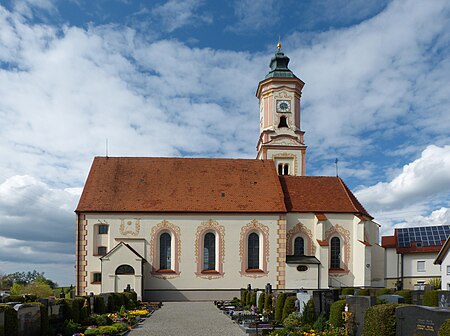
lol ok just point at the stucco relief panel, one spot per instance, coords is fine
(300, 230)
(127, 228)
(344, 234)
(263, 231)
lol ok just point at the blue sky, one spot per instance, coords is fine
(178, 78)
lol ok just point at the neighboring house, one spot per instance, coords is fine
(201, 229)
(443, 259)
(410, 254)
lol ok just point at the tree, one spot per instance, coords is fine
(23, 278)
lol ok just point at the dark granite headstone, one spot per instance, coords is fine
(392, 298)
(2, 323)
(323, 299)
(444, 299)
(29, 320)
(416, 297)
(420, 320)
(358, 305)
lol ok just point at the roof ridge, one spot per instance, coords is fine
(354, 199)
(177, 158)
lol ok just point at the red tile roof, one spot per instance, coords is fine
(319, 194)
(130, 184)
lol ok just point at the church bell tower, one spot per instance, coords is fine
(281, 138)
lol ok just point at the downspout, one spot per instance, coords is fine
(402, 270)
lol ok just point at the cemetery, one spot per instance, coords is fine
(340, 311)
(104, 314)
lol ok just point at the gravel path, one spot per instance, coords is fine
(188, 319)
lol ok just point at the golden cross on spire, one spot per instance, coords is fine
(279, 44)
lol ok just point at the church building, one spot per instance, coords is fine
(202, 228)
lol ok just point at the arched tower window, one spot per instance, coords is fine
(286, 169)
(209, 252)
(299, 246)
(335, 253)
(283, 122)
(253, 251)
(124, 269)
(283, 169)
(165, 241)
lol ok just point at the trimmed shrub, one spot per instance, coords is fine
(253, 299)
(321, 323)
(348, 291)
(243, 290)
(268, 307)
(261, 301)
(444, 330)
(384, 291)
(364, 292)
(15, 298)
(11, 324)
(99, 305)
(308, 316)
(380, 320)
(112, 329)
(289, 307)
(279, 305)
(430, 298)
(406, 295)
(292, 322)
(336, 310)
(100, 320)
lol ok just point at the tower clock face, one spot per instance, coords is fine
(283, 106)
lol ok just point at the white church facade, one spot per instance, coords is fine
(201, 229)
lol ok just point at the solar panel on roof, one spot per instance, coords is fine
(425, 235)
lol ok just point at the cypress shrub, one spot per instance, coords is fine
(243, 290)
(364, 292)
(110, 305)
(406, 295)
(261, 301)
(11, 324)
(430, 298)
(279, 304)
(336, 310)
(268, 308)
(289, 307)
(99, 305)
(44, 319)
(253, 299)
(308, 316)
(380, 320)
(134, 294)
(79, 314)
(444, 330)
(348, 291)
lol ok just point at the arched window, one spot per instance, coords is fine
(253, 251)
(124, 269)
(209, 252)
(283, 123)
(335, 253)
(283, 169)
(165, 241)
(280, 169)
(286, 169)
(299, 246)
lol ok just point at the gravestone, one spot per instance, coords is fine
(420, 320)
(416, 297)
(28, 319)
(392, 298)
(2, 323)
(258, 294)
(444, 299)
(303, 298)
(358, 305)
(323, 299)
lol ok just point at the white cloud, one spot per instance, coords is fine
(254, 15)
(175, 14)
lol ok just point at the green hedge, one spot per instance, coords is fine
(11, 324)
(279, 305)
(384, 291)
(431, 298)
(268, 307)
(289, 307)
(336, 310)
(348, 291)
(99, 304)
(406, 295)
(380, 320)
(15, 298)
(112, 329)
(444, 330)
(261, 301)
(308, 316)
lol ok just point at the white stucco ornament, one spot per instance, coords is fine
(126, 227)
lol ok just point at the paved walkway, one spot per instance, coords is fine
(187, 319)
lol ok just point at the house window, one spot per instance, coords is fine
(103, 229)
(299, 246)
(101, 250)
(124, 269)
(421, 266)
(96, 277)
(335, 253)
(448, 270)
(209, 252)
(165, 242)
(253, 251)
